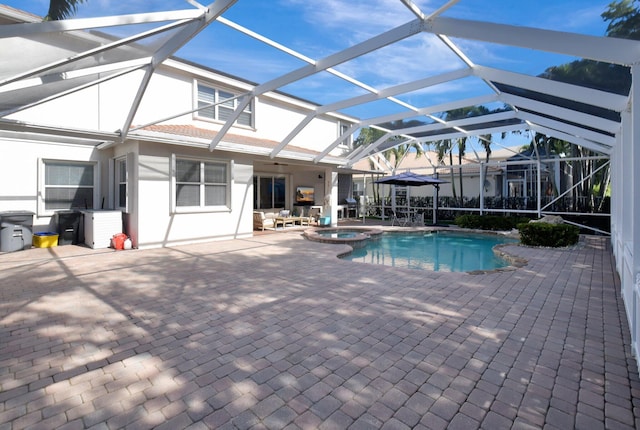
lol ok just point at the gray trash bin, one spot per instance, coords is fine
(68, 227)
(16, 230)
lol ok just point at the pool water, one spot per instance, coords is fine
(437, 251)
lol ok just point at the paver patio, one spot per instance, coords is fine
(275, 332)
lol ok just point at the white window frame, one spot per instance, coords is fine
(118, 170)
(342, 128)
(202, 207)
(219, 97)
(42, 185)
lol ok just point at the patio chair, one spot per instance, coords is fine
(260, 221)
(417, 219)
(400, 220)
(314, 216)
(302, 218)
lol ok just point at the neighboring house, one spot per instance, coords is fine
(495, 176)
(171, 188)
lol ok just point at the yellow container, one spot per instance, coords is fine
(45, 240)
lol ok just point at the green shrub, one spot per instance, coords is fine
(488, 222)
(544, 234)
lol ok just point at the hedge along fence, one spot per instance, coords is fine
(489, 222)
(551, 235)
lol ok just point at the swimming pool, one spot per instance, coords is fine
(436, 251)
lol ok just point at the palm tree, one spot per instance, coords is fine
(485, 141)
(447, 146)
(367, 136)
(62, 9)
(444, 148)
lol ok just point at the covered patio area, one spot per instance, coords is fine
(276, 332)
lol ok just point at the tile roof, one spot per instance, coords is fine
(191, 131)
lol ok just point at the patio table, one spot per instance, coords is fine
(283, 221)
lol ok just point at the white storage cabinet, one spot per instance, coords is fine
(100, 226)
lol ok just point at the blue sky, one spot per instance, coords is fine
(319, 28)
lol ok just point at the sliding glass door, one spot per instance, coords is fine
(269, 191)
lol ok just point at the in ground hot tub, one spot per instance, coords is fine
(356, 237)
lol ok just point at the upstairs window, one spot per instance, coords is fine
(219, 105)
(343, 127)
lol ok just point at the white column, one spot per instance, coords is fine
(482, 179)
(332, 197)
(539, 188)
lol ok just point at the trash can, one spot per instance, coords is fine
(16, 230)
(68, 227)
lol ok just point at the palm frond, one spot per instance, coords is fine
(62, 9)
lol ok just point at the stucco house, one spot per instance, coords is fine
(163, 177)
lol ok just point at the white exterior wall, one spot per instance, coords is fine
(275, 123)
(166, 95)
(159, 226)
(21, 175)
(77, 110)
(171, 91)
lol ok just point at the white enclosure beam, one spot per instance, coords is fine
(399, 33)
(365, 151)
(335, 143)
(607, 49)
(457, 123)
(487, 130)
(367, 98)
(7, 112)
(102, 70)
(593, 146)
(576, 93)
(568, 128)
(397, 89)
(91, 52)
(185, 34)
(31, 28)
(443, 107)
(560, 112)
(376, 42)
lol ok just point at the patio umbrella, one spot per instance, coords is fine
(410, 179)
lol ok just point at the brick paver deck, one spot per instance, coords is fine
(275, 332)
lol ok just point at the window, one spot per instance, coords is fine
(216, 104)
(201, 184)
(358, 190)
(68, 185)
(121, 183)
(342, 129)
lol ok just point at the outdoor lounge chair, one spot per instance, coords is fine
(261, 221)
